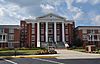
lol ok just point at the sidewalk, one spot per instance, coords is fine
(70, 54)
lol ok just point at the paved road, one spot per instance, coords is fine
(49, 61)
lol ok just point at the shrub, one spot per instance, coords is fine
(4, 49)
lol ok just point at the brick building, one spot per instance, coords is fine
(9, 36)
(89, 34)
(47, 30)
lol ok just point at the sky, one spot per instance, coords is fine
(83, 12)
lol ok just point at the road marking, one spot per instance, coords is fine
(48, 60)
(10, 61)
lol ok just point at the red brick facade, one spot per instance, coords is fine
(90, 35)
(30, 33)
(9, 36)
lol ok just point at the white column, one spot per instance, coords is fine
(55, 32)
(2, 37)
(38, 35)
(46, 31)
(63, 35)
(6, 38)
(92, 37)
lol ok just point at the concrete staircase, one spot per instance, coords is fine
(60, 45)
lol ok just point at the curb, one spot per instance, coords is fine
(41, 56)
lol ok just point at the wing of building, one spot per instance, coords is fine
(47, 30)
(89, 34)
(9, 36)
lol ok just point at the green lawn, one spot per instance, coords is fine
(19, 52)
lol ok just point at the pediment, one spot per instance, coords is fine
(51, 16)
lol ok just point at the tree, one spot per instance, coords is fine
(78, 42)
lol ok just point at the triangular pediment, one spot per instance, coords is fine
(51, 16)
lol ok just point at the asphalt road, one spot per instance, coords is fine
(49, 61)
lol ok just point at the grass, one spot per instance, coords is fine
(20, 51)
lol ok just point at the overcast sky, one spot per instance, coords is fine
(84, 12)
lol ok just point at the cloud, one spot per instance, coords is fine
(81, 1)
(76, 12)
(12, 11)
(25, 3)
(93, 2)
(1, 12)
(47, 8)
(96, 20)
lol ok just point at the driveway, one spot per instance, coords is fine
(70, 54)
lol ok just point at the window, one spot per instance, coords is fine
(90, 37)
(3, 37)
(58, 38)
(11, 30)
(84, 31)
(58, 31)
(85, 37)
(1, 30)
(33, 38)
(66, 26)
(11, 37)
(96, 31)
(50, 25)
(66, 31)
(50, 31)
(41, 25)
(95, 37)
(33, 25)
(66, 37)
(88, 31)
(33, 31)
(42, 37)
(42, 31)
(0, 37)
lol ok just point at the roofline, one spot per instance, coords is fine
(50, 13)
(9, 25)
(87, 26)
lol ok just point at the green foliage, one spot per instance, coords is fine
(77, 42)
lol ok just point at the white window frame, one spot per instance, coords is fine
(11, 37)
(42, 37)
(11, 30)
(58, 37)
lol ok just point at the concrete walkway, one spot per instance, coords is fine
(70, 54)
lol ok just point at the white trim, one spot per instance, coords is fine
(2, 37)
(46, 31)
(38, 35)
(63, 36)
(55, 32)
